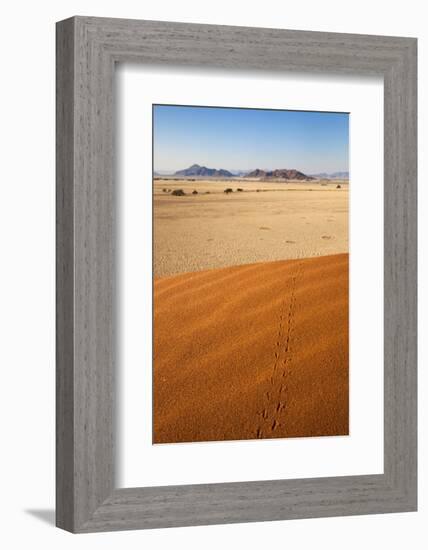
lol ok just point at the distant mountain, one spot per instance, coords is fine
(332, 175)
(257, 173)
(196, 170)
(283, 173)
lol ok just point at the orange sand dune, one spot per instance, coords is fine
(255, 351)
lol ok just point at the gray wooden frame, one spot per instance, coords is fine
(87, 50)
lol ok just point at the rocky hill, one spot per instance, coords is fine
(197, 170)
(282, 173)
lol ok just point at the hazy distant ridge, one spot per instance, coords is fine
(332, 175)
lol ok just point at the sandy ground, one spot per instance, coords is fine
(281, 221)
(254, 351)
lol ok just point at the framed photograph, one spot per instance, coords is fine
(236, 274)
(265, 356)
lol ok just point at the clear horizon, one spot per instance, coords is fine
(245, 139)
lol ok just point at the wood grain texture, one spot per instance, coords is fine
(64, 277)
(87, 49)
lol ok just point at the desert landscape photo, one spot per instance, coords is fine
(250, 274)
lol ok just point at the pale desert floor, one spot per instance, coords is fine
(281, 221)
(254, 351)
(250, 311)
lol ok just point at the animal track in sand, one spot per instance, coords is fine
(275, 397)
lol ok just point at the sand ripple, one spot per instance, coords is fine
(254, 351)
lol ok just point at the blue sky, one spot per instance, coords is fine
(245, 139)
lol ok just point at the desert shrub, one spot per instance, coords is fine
(178, 193)
(194, 192)
(239, 189)
(338, 186)
(228, 190)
